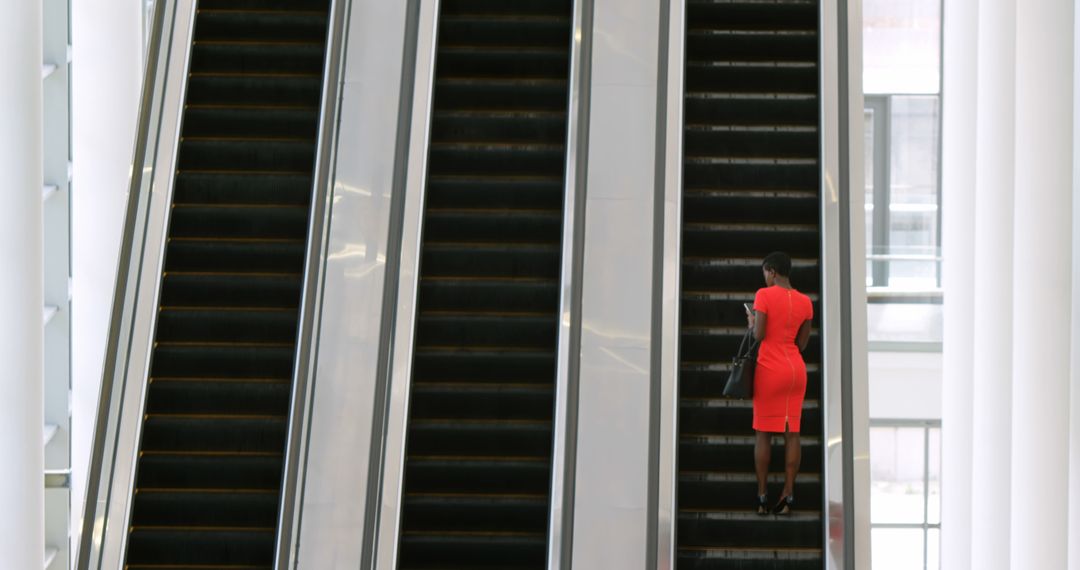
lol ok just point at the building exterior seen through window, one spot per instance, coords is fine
(902, 138)
(902, 87)
(905, 494)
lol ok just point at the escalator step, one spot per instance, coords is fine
(226, 325)
(535, 330)
(514, 295)
(483, 365)
(506, 261)
(471, 438)
(215, 508)
(209, 470)
(252, 121)
(247, 56)
(194, 545)
(742, 558)
(477, 513)
(510, 475)
(482, 400)
(208, 432)
(245, 257)
(525, 192)
(225, 20)
(252, 290)
(217, 396)
(462, 549)
(744, 528)
(235, 361)
(253, 89)
(246, 154)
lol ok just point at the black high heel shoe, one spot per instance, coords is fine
(783, 508)
(762, 505)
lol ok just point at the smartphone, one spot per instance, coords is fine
(749, 308)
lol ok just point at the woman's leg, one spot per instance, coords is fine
(792, 459)
(762, 450)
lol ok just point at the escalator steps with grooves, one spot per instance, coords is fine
(751, 186)
(478, 456)
(210, 459)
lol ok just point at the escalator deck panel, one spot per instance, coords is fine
(479, 442)
(209, 469)
(750, 186)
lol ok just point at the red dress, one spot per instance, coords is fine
(780, 376)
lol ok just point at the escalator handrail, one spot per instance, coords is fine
(89, 545)
(312, 286)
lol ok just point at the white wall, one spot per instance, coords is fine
(905, 385)
(106, 83)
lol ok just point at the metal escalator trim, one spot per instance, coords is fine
(667, 294)
(110, 478)
(568, 347)
(388, 466)
(303, 384)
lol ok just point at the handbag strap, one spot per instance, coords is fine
(748, 337)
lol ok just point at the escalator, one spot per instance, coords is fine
(479, 441)
(751, 186)
(210, 460)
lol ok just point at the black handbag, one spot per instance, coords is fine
(740, 382)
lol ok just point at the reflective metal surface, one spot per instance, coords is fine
(611, 517)
(311, 297)
(673, 68)
(397, 413)
(846, 473)
(346, 380)
(120, 413)
(564, 447)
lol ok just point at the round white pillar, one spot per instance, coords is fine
(22, 488)
(1074, 405)
(1041, 284)
(958, 249)
(992, 283)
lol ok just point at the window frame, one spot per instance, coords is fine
(927, 425)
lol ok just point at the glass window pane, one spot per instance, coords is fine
(934, 487)
(901, 46)
(896, 548)
(913, 192)
(904, 322)
(896, 475)
(868, 168)
(933, 549)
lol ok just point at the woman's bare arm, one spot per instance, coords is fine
(803, 338)
(759, 325)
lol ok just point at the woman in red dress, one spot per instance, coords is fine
(781, 322)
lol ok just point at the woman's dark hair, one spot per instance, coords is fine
(779, 262)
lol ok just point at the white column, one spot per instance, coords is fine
(106, 83)
(958, 234)
(22, 490)
(1042, 283)
(1074, 404)
(992, 365)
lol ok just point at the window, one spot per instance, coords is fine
(905, 493)
(902, 83)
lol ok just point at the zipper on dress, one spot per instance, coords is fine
(787, 355)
